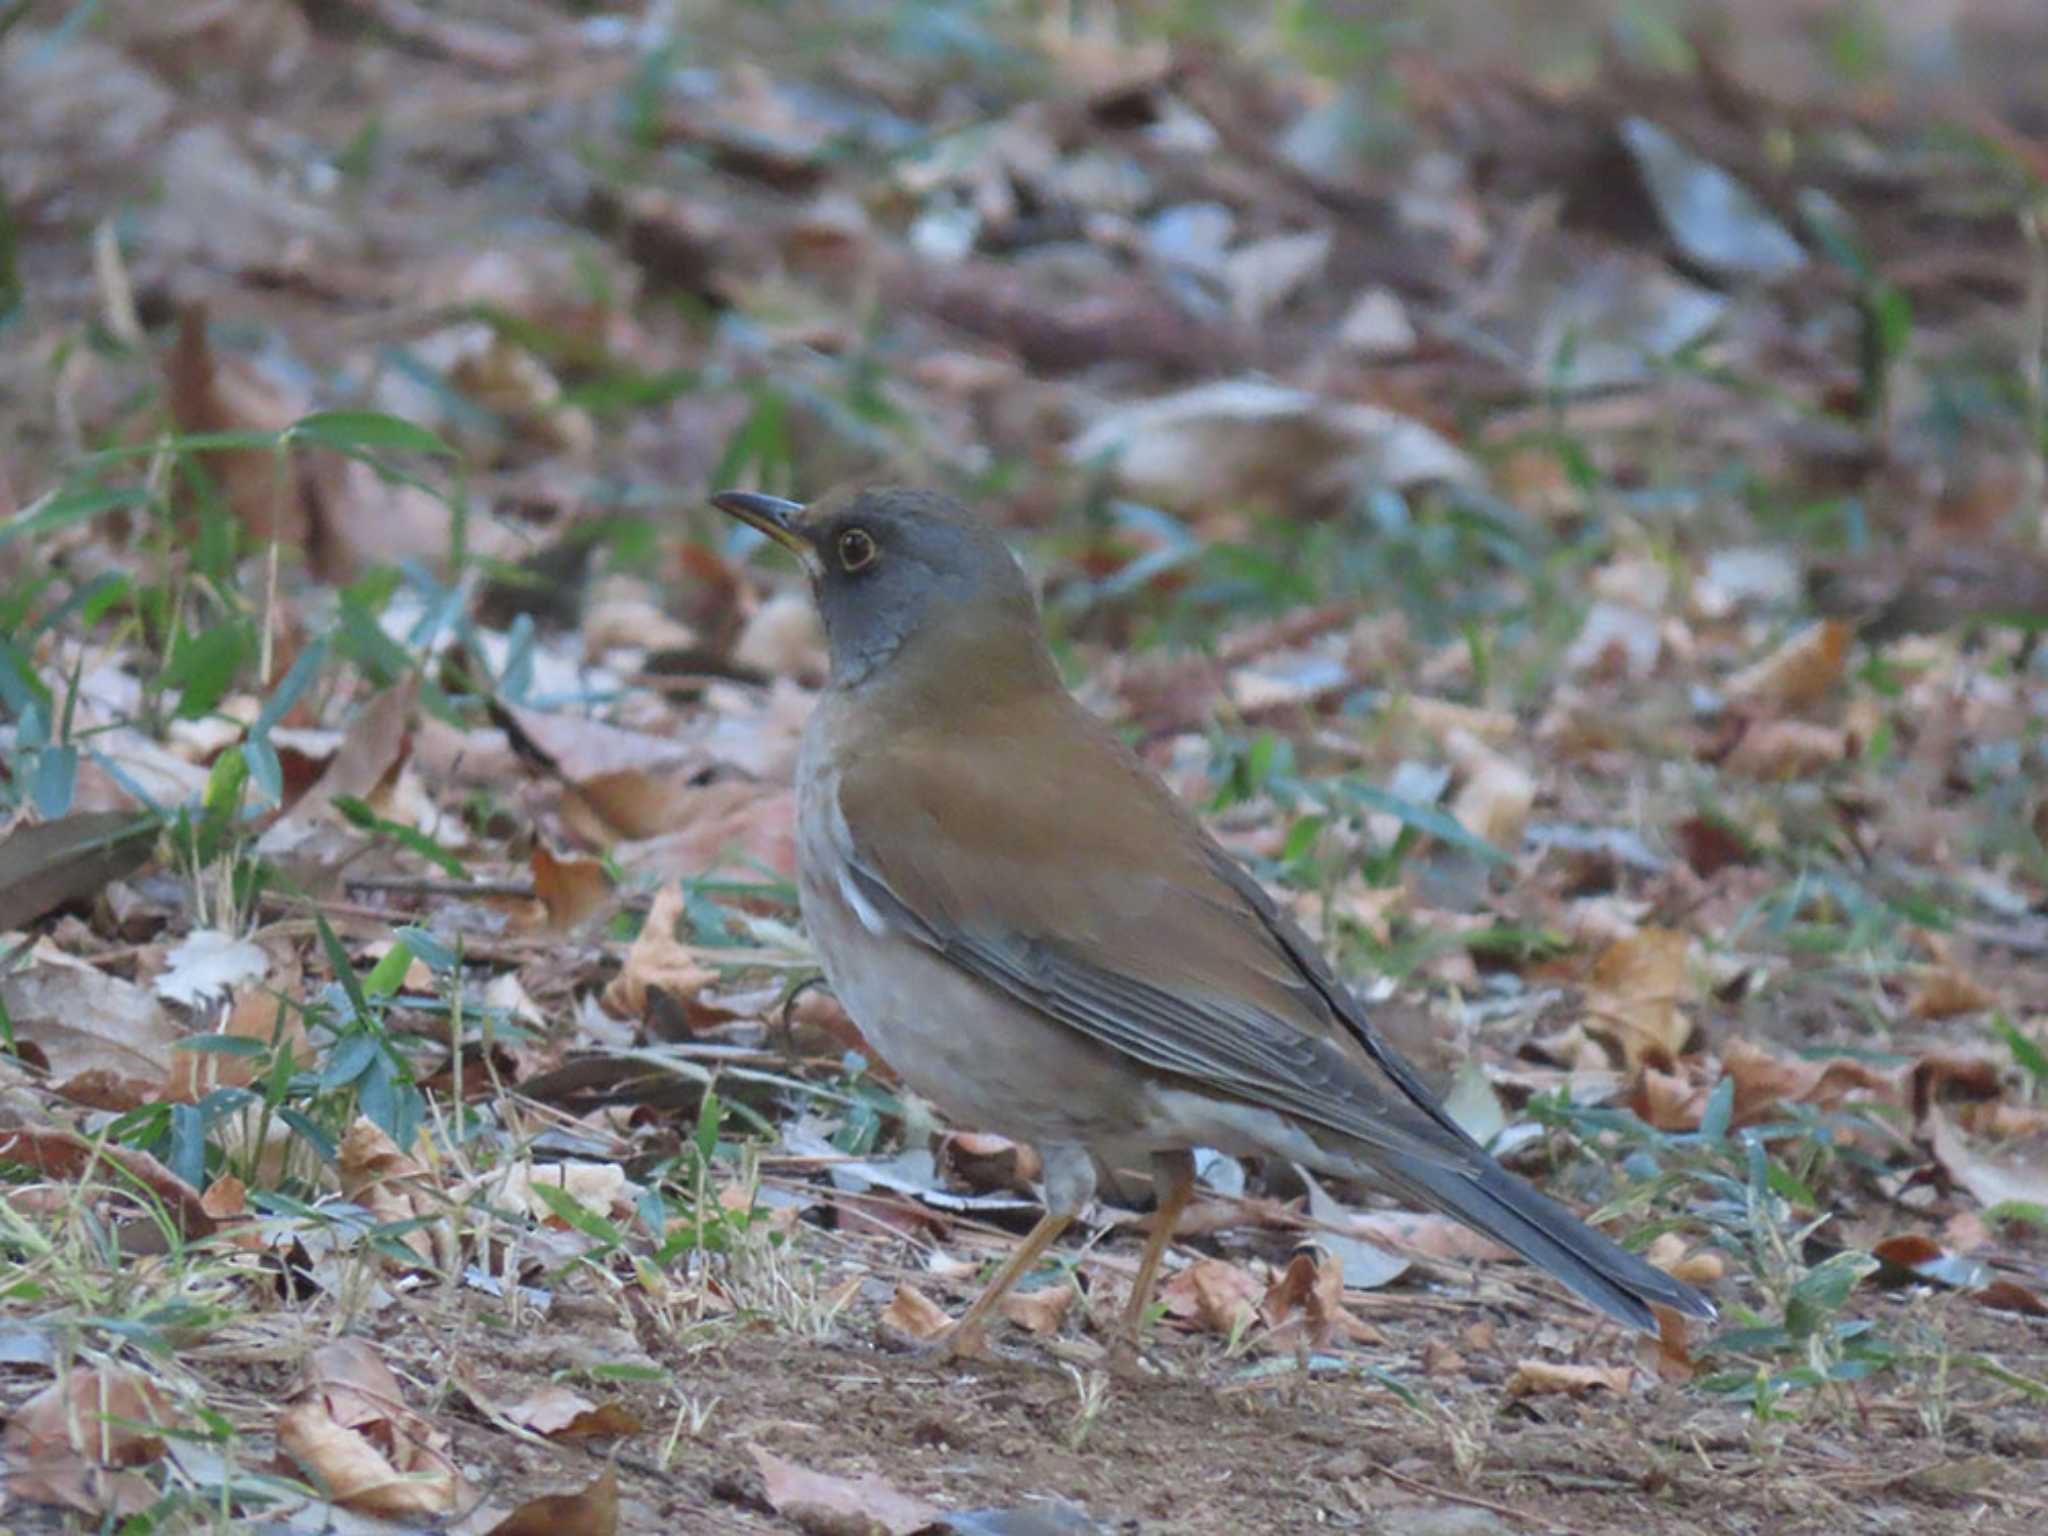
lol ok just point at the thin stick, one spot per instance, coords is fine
(1416, 1485)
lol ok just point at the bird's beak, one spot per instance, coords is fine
(774, 517)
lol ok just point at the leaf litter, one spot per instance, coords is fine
(1577, 533)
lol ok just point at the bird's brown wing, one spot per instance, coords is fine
(1084, 888)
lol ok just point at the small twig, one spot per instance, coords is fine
(1417, 1485)
(429, 885)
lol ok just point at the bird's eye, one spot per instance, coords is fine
(857, 549)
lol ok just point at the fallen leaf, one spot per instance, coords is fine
(356, 1474)
(1494, 800)
(56, 863)
(1668, 1253)
(561, 1414)
(592, 1512)
(270, 496)
(2014, 1175)
(1673, 1360)
(701, 828)
(372, 750)
(1787, 749)
(392, 1186)
(1943, 992)
(1306, 1299)
(601, 1188)
(101, 1037)
(354, 1435)
(257, 1011)
(1799, 674)
(1715, 221)
(1636, 994)
(58, 1154)
(1532, 1378)
(102, 1416)
(1038, 1311)
(1709, 846)
(914, 1314)
(2010, 1296)
(1213, 1294)
(1242, 440)
(206, 964)
(570, 891)
(829, 1505)
(658, 960)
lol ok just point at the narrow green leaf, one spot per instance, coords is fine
(355, 432)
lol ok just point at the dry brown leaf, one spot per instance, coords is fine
(269, 495)
(1427, 1234)
(352, 1431)
(390, 1185)
(1213, 1294)
(594, 1511)
(357, 1475)
(986, 1162)
(784, 637)
(1668, 1253)
(2010, 1296)
(1799, 674)
(913, 1313)
(105, 1041)
(1494, 801)
(256, 1011)
(705, 827)
(58, 1154)
(1041, 1310)
(1307, 1299)
(601, 1188)
(1788, 749)
(1709, 847)
(818, 1501)
(1533, 1378)
(225, 1198)
(1672, 1358)
(101, 1416)
(571, 891)
(2016, 1173)
(1943, 992)
(658, 960)
(1636, 996)
(561, 1414)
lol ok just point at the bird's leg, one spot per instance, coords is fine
(1173, 1184)
(969, 1336)
(1069, 1184)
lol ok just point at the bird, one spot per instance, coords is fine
(1038, 936)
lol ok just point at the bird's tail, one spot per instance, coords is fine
(1482, 1194)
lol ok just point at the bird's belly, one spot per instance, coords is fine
(986, 1060)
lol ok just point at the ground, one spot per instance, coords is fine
(1559, 490)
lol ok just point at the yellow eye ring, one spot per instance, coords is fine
(857, 550)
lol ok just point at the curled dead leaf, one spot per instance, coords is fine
(1532, 1378)
(912, 1313)
(1799, 674)
(570, 891)
(592, 1511)
(1213, 1294)
(101, 1416)
(821, 1502)
(657, 960)
(1039, 1311)
(1637, 993)
(394, 1187)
